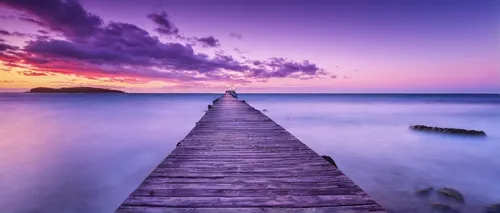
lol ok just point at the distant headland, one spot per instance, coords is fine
(73, 90)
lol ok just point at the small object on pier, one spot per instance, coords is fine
(425, 191)
(330, 160)
(448, 130)
(209, 106)
(151, 193)
(441, 207)
(451, 193)
(495, 208)
(232, 93)
(215, 100)
(178, 144)
(243, 101)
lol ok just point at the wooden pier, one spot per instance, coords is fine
(236, 159)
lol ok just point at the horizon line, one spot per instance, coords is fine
(277, 93)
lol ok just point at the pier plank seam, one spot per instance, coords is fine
(236, 159)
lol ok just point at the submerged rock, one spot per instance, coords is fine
(448, 130)
(452, 193)
(441, 207)
(425, 191)
(495, 208)
(330, 160)
(264, 110)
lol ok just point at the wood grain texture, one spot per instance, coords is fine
(236, 159)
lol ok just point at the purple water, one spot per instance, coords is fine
(85, 153)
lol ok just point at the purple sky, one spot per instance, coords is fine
(259, 46)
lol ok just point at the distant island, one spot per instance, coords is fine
(73, 90)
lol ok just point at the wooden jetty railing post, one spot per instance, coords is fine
(236, 159)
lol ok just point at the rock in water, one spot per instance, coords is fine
(452, 193)
(441, 207)
(330, 160)
(448, 130)
(495, 208)
(425, 191)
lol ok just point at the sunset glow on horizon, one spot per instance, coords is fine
(257, 46)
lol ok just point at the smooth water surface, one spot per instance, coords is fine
(86, 152)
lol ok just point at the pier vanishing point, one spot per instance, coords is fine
(236, 159)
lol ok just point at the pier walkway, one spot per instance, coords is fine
(236, 159)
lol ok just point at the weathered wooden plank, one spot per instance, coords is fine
(373, 208)
(242, 165)
(230, 192)
(237, 159)
(228, 202)
(259, 179)
(236, 174)
(249, 185)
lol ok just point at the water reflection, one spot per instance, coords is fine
(371, 143)
(67, 153)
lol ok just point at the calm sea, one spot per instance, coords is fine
(85, 153)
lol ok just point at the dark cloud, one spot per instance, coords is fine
(42, 37)
(281, 67)
(333, 76)
(31, 20)
(116, 49)
(66, 16)
(7, 33)
(59, 49)
(5, 47)
(20, 34)
(236, 35)
(209, 41)
(36, 60)
(140, 56)
(164, 24)
(43, 32)
(4, 32)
